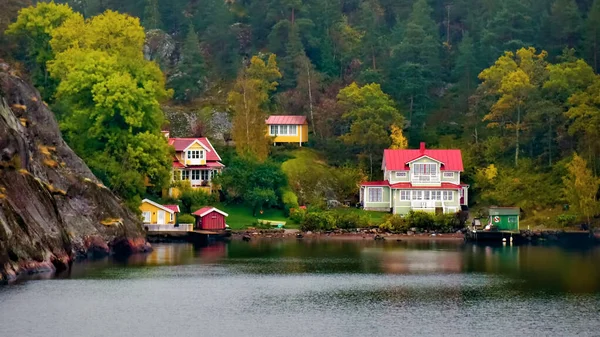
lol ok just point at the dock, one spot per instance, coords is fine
(538, 237)
(185, 233)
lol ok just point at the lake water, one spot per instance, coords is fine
(316, 289)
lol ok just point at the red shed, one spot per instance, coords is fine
(210, 218)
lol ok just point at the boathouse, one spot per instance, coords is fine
(504, 218)
(209, 218)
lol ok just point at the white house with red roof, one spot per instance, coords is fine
(417, 179)
(287, 129)
(195, 162)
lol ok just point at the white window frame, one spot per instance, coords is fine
(427, 195)
(283, 130)
(425, 169)
(448, 174)
(195, 174)
(204, 175)
(194, 154)
(147, 217)
(293, 130)
(375, 193)
(448, 195)
(436, 195)
(185, 174)
(405, 195)
(273, 130)
(400, 174)
(417, 195)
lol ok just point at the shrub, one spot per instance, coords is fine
(395, 223)
(318, 221)
(421, 220)
(297, 215)
(566, 220)
(445, 222)
(186, 218)
(191, 199)
(289, 199)
(351, 220)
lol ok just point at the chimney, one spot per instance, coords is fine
(422, 147)
(165, 133)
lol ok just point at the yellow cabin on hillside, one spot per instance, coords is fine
(157, 214)
(287, 129)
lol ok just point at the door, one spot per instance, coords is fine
(161, 218)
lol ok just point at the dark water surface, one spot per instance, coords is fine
(316, 289)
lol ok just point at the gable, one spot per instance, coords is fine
(196, 145)
(147, 203)
(398, 160)
(181, 144)
(424, 160)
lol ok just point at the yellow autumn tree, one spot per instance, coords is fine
(249, 102)
(581, 187)
(511, 81)
(398, 140)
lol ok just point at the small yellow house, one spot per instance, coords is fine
(157, 214)
(287, 129)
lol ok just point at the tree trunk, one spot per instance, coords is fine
(310, 101)
(517, 135)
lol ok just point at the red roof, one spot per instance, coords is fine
(174, 208)
(444, 186)
(375, 183)
(208, 209)
(286, 119)
(181, 144)
(397, 160)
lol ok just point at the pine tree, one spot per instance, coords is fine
(151, 15)
(465, 71)
(190, 70)
(565, 25)
(592, 36)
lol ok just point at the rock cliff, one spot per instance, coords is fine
(52, 208)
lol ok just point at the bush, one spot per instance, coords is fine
(566, 220)
(445, 222)
(289, 199)
(348, 220)
(395, 223)
(192, 200)
(297, 215)
(186, 218)
(421, 220)
(318, 221)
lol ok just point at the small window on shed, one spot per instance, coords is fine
(512, 219)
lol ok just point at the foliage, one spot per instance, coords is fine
(566, 220)
(256, 184)
(581, 188)
(185, 218)
(186, 83)
(420, 220)
(114, 117)
(318, 221)
(398, 140)
(289, 200)
(34, 27)
(193, 199)
(395, 224)
(249, 101)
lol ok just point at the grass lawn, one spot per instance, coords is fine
(240, 216)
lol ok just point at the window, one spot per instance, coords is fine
(400, 174)
(147, 217)
(293, 130)
(273, 130)
(512, 219)
(171, 214)
(283, 130)
(375, 194)
(194, 154)
(185, 175)
(404, 195)
(425, 169)
(448, 195)
(195, 174)
(426, 195)
(204, 175)
(448, 174)
(436, 195)
(417, 195)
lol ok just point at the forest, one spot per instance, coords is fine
(513, 83)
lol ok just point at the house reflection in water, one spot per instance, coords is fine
(408, 261)
(186, 253)
(211, 253)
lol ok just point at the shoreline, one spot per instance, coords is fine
(291, 235)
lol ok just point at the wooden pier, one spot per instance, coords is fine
(539, 237)
(194, 236)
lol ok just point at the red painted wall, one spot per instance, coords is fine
(211, 221)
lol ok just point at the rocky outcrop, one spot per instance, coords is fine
(52, 208)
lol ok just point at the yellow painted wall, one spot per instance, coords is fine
(146, 207)
(302, 130)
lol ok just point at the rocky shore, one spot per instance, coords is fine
(362, 235)
(53, 210)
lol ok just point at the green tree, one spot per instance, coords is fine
(34, 27)
(592, 35)
(565, 24)
(113, 120)
(152, 15)
(370, 113)
(465, 71)
(249, 101)
(581, 187)
(190, 71)
(512, 81)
